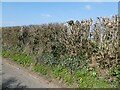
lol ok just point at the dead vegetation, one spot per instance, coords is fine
(80, 44)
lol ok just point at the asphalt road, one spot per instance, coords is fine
(15, 77)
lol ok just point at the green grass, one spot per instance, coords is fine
(89, 80)
(20, 58)
(63, 73)
(82, 77)
(40, 69)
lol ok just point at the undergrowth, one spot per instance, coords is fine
(83, 78)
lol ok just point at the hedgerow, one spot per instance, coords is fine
(78, 46)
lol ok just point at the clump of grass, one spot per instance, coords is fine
(91, 82)
(20, 58)
(23, 59)
(63, 73)
(40, 69)
(86, 79)
(6, 54)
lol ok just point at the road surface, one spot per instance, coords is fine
(14, 76)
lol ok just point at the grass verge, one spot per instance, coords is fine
(81, 78)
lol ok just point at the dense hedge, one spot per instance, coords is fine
(82, 44)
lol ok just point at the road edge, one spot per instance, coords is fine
(49, 82)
